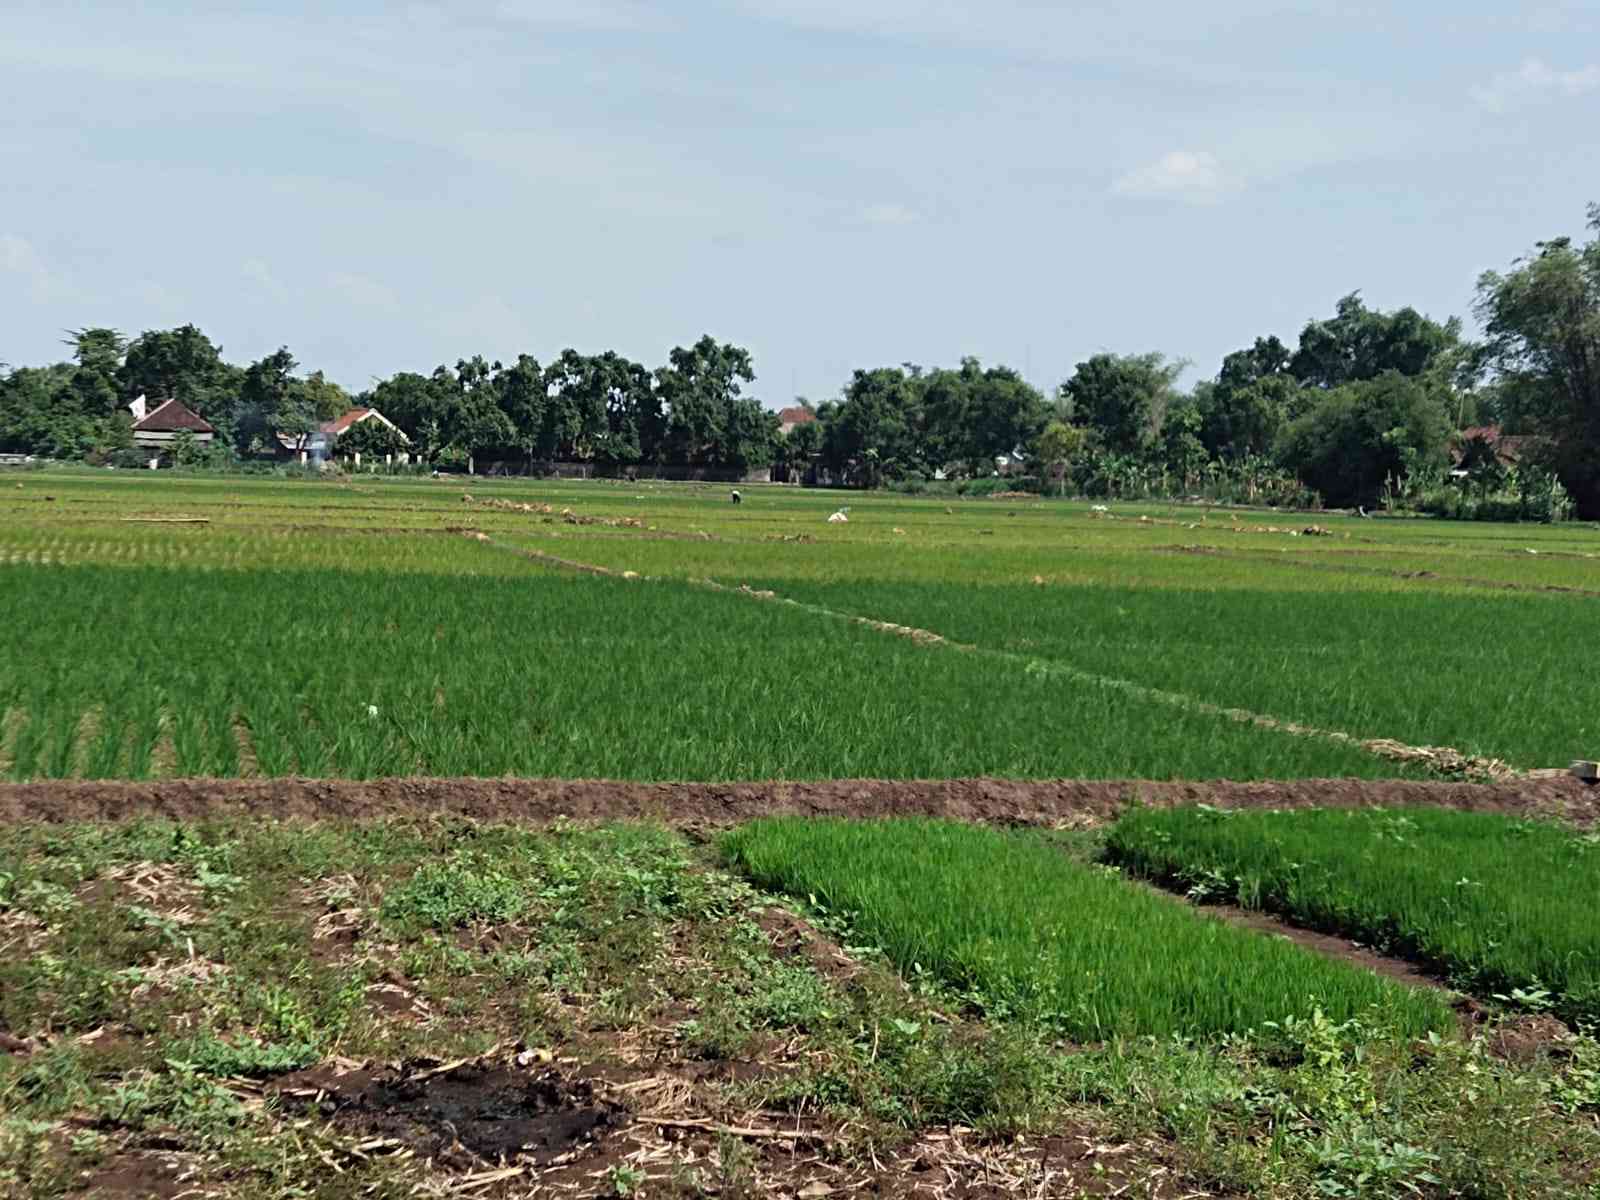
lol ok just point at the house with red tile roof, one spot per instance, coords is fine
(788, 418)
(323, 441)
(156, 429)
(1476, 443)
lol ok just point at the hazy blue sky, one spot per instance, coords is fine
(832, 183)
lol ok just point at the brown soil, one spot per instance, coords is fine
(1524, 1039)
(791, 936)
(137, 1175)
(1073, 1163)
(490, 1112)
(494, 1126)
(1000, 801)
(1327, 945)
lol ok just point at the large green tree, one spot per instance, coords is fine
(1542, 318)
(972, 415)
(271, 404)
(1253, 396)
(709, 421)
(876, 428)
(605, 406)
(417, 405)
(1360, 434)
(93, 387)
(471, 420)
(183, 363)
(635, 422)
(1055, 448)
(37, 415)
(524, 398)
(325, 398)
(1359, 343)
(1121, 400)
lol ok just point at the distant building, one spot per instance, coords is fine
(1478, 442)
(788, 418)
(155, 429)
(1011, 464)
(322, 442)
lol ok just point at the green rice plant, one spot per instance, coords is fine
(1503, 907)
(362, 676)
(1475, 672)
(1009, 922)
(1296, 628)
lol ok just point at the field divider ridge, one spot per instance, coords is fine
(1441, 760)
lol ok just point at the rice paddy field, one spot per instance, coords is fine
(421, 837)
(234, 627)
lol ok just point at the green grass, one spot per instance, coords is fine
(172, 973)
(1499, 905)
(1486, 674)
(1011, 923)
(183, 672)
(1386, 629)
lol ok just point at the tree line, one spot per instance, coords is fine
(578, 407)
(1363, 406)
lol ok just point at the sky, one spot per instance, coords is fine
(832, 184)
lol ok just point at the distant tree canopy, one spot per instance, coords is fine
(1363, 401)
(1542, 319)
(370, 438)
(1358, 343)
(1365, 432)
(1120, 401)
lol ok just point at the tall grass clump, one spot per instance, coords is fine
(1501, 906)
(1020, 930)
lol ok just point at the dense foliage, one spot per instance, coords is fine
(1367, 407)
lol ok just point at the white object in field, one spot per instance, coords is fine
(372, 711)
(1100, 508)
(838, 518)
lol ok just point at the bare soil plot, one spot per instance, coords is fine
(1032, 802)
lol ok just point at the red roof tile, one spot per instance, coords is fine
(170, 417)
(340, 424)
(796, 415)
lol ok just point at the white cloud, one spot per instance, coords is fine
(258, 273)
(604, 16)
(1193, 175)
(889, 213)
(156, 300)
(19, 258)
(361, 292)
(490, 321)
(1535, 81)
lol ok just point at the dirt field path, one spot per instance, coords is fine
(1029, 802)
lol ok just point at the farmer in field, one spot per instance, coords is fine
(737, 499)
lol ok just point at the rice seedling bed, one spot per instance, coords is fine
(1010, 923)
(1501, 906)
